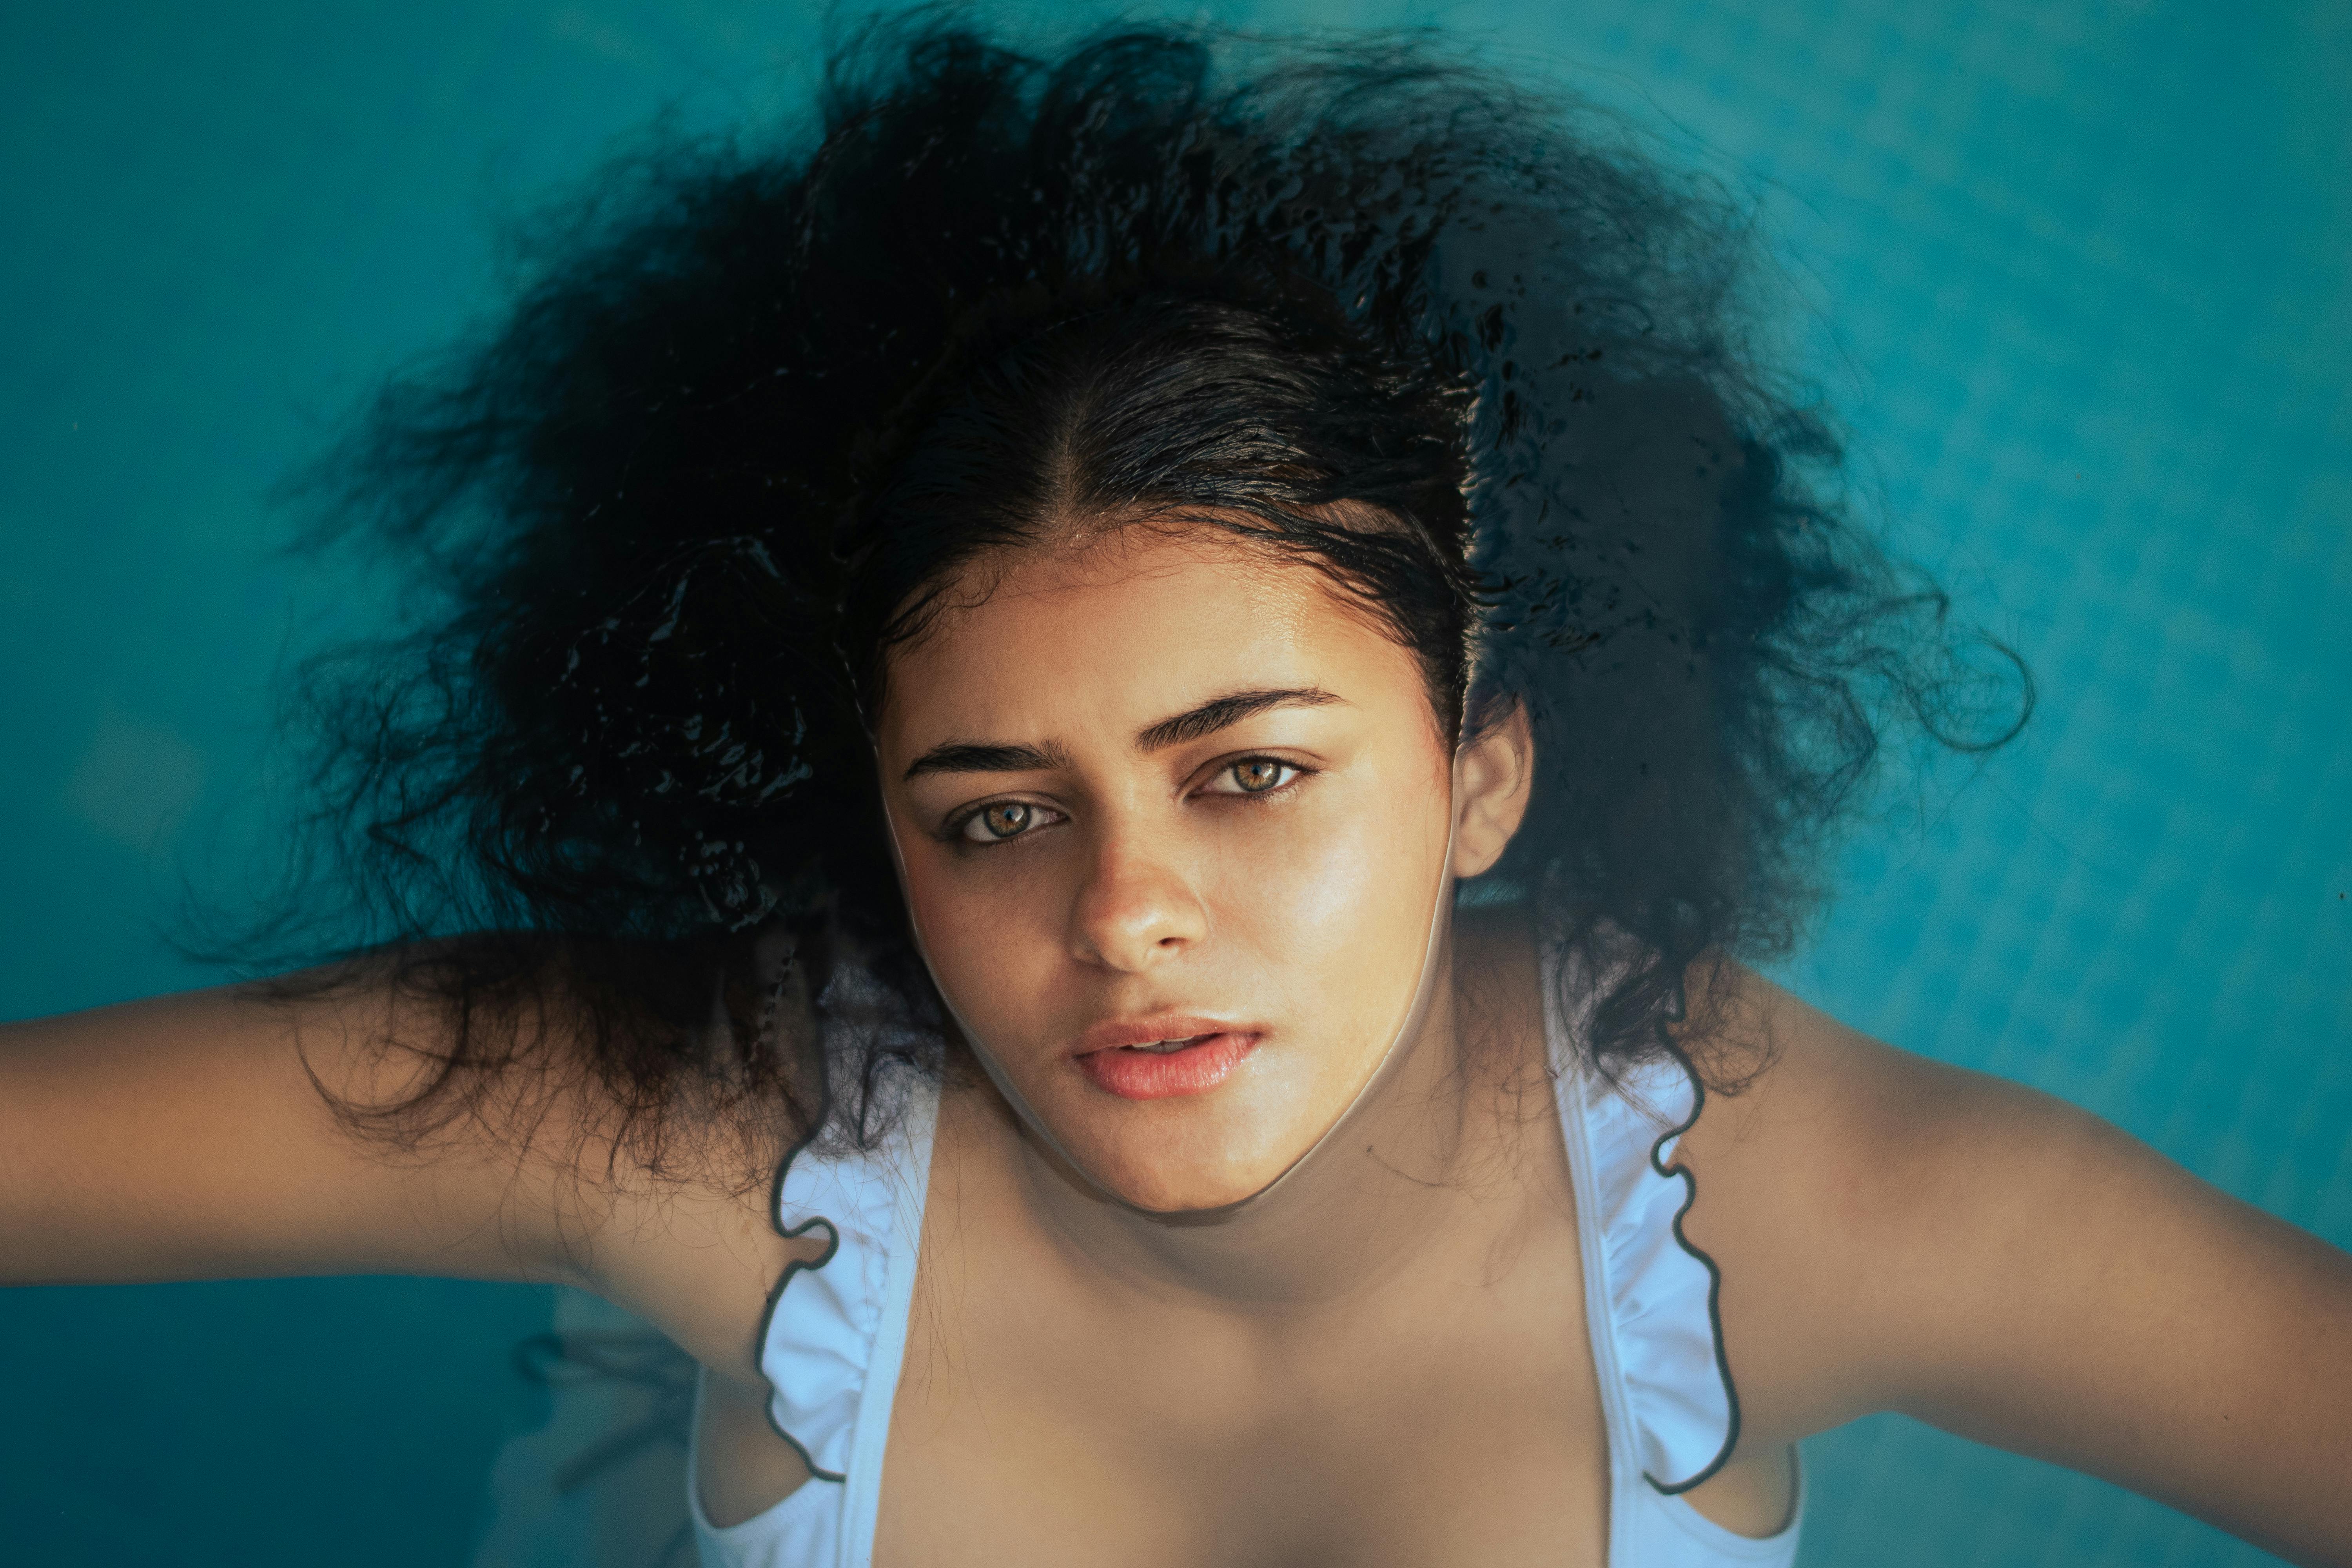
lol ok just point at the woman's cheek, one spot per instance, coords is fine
(990, 939)
(1340, 901)
(1298, 895)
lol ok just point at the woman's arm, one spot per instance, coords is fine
(195, 1137)
(1898, 1235)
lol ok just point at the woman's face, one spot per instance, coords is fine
(1172, 816)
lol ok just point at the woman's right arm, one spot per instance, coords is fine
(197, 1136)
(188, 1137)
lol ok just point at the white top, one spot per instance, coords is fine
(838, 1330)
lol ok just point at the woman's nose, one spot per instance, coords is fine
(1136, 910)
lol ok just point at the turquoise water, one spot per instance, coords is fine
(2076, 273)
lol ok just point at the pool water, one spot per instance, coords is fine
(2075, 273)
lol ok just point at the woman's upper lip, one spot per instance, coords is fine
(1113, 1033)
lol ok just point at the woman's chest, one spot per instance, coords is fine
(1452, 1419)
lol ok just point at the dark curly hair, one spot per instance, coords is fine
(1462, 348)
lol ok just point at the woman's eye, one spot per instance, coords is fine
(1004, 820)
(1253, 776)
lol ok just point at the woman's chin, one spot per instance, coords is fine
(1177, 1154)
(1194, 1195)
(1158, 1178)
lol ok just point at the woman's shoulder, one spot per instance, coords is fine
(1843, 1184)
(1893, 1233)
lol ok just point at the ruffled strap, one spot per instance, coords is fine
(818, 1347)
(1661, 1290)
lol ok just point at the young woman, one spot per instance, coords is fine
(1099, 761)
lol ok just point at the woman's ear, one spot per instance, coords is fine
(1492, 775)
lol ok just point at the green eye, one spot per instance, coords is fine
(1001, 821)
(1005, 819)
(1258, 774)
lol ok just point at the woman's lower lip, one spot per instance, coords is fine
(1197, 1068)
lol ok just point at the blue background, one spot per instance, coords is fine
(2075, 274)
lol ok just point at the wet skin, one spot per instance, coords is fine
(1167, 780)
(1389, 1369)
(1091, 855)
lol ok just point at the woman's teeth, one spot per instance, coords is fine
(1162, 1047)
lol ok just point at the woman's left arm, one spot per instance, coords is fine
(1898, 1235)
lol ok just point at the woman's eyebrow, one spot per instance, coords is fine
(985, 757)
(967, 757)
(1230, 708)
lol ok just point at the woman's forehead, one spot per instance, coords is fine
(1127, 629)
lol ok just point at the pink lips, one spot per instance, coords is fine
(1210, 1051)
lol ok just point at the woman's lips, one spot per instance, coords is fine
(1160, 1065)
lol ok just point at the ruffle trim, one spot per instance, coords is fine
(1664, 1293)
(825, 1317)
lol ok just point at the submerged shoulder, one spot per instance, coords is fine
(1896, 1233)
(1810, 1104)
(1845, 1186)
